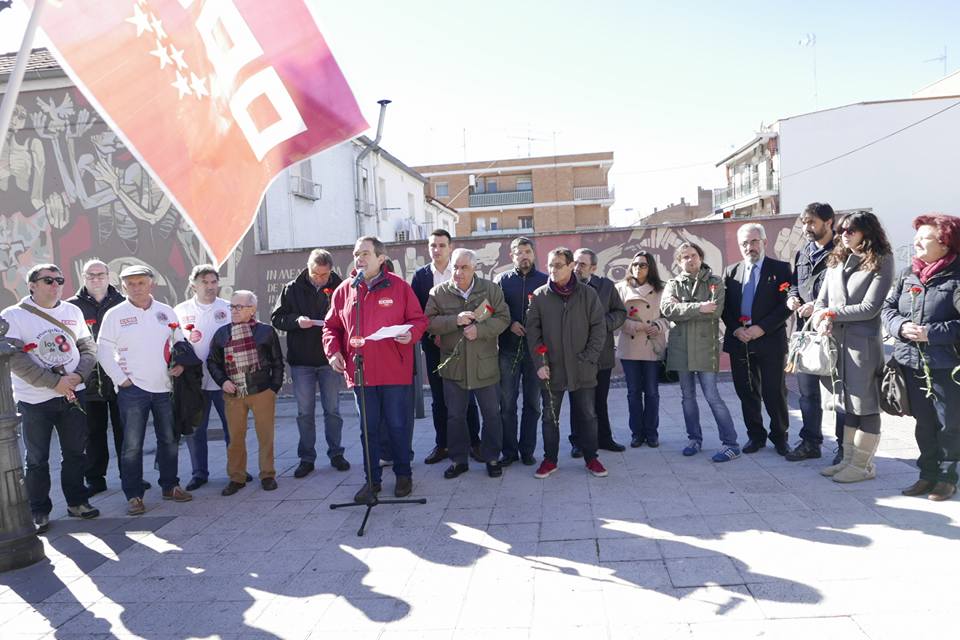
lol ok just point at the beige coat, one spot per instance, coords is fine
(643, 308)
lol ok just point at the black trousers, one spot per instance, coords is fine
(763, 381)
(938, 423)
(604, 432)
(98, 451)
(432, 355)
(584, 419)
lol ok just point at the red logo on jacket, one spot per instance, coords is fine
(385, 302)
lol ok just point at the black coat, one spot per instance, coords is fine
(769, 306)
(300, 298)
(614, 315)
(98, 386)
(937, 306)
(187, 395)
(270, 375)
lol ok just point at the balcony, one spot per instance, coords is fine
(602, 192)
(748, 190)
(501, 198)
(305, 188)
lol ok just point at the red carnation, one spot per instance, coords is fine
(489, 309)
(916, 290)
(713, 288)
(189, 327)
(529, 296)
(30, 346)
(633, 312)
(542, 349)
(327, 291)
(91, 322)
(229, 358)
(173, 325)
(744, 319)
(830, 314)
(784, 287)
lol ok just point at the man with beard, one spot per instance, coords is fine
(517, 367)
(755, 336)
(810, 264)
(94, 298)
(614, 315)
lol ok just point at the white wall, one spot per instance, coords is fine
(294, 222)
(913, 172)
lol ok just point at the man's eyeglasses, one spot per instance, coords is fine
(238, 307)
(95, 276)
(49, 280)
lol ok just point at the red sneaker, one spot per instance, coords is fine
(596, 468)
(546, 468)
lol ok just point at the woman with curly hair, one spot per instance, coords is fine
(922, 312)
(859, 274)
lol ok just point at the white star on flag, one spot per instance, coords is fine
(177, 55)
(139, 18)
(181, 85)
(157, 25)
(161, 53)
(199, 85)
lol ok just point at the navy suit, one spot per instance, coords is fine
(422, 283)
(764, 379)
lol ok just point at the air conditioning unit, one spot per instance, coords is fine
(303, 188)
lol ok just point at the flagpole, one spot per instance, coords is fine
(19, 69)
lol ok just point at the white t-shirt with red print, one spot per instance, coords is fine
(47, 344)
(133, 343)
(206, 319)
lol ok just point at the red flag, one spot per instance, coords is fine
(215, 97)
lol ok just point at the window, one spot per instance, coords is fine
(481, 224)
(526, 222)
(494, 224)
(403, 236)
(491, 186)
(524, 184)
(442, 190)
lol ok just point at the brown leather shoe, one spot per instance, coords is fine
(439, 454)
(366, 497)
(943, 491)
(404, 486)
(919, 488)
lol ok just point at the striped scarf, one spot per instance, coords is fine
(241, 355)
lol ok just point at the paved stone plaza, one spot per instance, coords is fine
(665, 547)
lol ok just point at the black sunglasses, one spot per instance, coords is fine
(50, 280)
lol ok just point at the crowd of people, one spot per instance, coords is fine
(105, 360)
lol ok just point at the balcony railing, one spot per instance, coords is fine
(749, 189)
(305, 188)
(500, 198)
(602, 192)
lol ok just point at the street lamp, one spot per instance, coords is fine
(19, 544)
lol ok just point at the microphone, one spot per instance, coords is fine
(356, 281)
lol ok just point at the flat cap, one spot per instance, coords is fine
(136, 270)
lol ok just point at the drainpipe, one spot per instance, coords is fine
(363, 154)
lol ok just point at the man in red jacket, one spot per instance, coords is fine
(386, 300)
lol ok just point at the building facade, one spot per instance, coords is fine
(525, 195)
(684, 211)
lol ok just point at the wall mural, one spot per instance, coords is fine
(70, 190)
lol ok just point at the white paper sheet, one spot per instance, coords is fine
(389, 333)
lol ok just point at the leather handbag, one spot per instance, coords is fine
(893, 389)
(812, 353)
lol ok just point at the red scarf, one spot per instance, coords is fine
(926, 270)
(566, 290)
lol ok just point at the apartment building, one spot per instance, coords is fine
(525, 195)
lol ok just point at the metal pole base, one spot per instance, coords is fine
(20, 552)
(370, 505)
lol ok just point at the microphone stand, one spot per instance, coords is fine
(356, 341)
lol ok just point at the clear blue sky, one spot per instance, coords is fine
(662, 84)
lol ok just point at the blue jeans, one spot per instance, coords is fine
(305, 382)
(38, 422)
(136, 405)
(812, 411)
(197, 442)
(643, 397)
(691, 411)
(385, 407)
(515, 375)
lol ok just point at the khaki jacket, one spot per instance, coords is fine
(643, 308)
(474, 363)
(694, 342)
